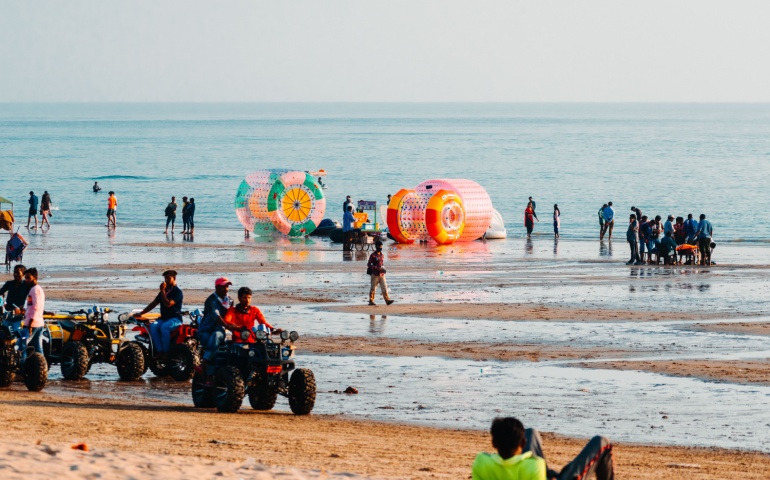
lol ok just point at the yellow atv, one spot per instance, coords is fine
(76, 345)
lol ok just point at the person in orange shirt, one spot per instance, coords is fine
(243, 317)
(112, 205)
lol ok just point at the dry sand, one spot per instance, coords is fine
(143, 426)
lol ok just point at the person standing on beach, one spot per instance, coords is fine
(704, 233)
(185, 218)
(170, 298)
(601, 221)
(690, 227)
(529, 219)
(347, 228)
(112, 206)
(632, 237)
(644, 237)
(609, 220)
(520, 456)
(191, 216)
(556, 220)
(657, 231)
(534, 208)
(33, 203)
(45, 209)
(668, 226)
(170, 215)
(96, 187)
(376, 272)
(33, 311)
(638, 213)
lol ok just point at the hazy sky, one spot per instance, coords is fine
(414, 50)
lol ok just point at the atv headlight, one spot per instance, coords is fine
(245, 334)
(294, 336)
(285, 335)
(261, 335)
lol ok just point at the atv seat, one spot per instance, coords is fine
(68, 325)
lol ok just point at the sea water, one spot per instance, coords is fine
(663, 158)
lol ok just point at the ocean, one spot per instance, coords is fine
(663, 158)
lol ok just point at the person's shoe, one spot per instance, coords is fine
(389, 302)
(630, 262)
(372, 303)
(639, 263)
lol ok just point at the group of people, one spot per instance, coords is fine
(530, 217)
(24, 296)
(42, 205)
(689, 237)
(188, 215)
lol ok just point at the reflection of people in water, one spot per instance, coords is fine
(97, 187)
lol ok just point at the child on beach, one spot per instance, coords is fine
(556, 220)
(112, 206)
(244, 317)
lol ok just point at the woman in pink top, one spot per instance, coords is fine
(33, 311)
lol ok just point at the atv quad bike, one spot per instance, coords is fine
(17, 359)
(95, 340)
(184, 354)
(261, 371)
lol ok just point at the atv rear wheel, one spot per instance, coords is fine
(130, 362)
(260, 396)
(74, 360)
(7, 373)
(302, 391)
(229, 391)
(203, 396)
(35, 370)
(182, 360)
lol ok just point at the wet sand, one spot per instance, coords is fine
(378, 450)
(727, 371)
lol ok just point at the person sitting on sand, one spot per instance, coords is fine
(244, 317)
(170, 298)
(520, 456)
(211, 331)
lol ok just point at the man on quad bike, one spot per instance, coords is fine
(16, 289)
(211, 331)
(170, 299)
(242, 318)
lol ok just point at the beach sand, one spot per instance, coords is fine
(473, 283)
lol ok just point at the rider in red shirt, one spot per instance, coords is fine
(244, 316)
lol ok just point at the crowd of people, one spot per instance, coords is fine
(188, 214)
(673, 241)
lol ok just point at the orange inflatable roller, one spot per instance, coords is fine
(445, 217)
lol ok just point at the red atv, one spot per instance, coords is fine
(184, 354)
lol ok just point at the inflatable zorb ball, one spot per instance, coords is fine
(445, 210)
(290, 202)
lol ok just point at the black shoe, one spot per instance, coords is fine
(389, 302)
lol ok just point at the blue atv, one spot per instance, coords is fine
(262, 370)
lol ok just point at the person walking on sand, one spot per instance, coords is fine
(609, 221)
(529, 219)
(170, 215)
(375, 270)
(601, 221)
(33, 203)
(45, 209)
(556, 220)
(704, 234)
(112, 206)
(632, 237)
(520, 456)
(96, 187)
(33, 310)
(170, 299)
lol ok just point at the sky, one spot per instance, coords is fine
(384, 51)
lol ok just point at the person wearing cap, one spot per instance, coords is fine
(211, 331)
(376, 272)
(345, 204)
(170, 299)
(244, 316)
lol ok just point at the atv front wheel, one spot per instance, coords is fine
(261, 397)
(159, 367)
(302, 391)
(182, 360)
(35, 372)
(130, 362)
(229, 389)
(74, 360)
(203, 396)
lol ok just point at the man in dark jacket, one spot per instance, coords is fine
(17, 289)
(377, 273)
(211, 331)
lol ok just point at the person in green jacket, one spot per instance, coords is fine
(520, 456)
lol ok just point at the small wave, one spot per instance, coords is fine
(122, 177)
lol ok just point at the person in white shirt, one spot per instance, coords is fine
(33, 311)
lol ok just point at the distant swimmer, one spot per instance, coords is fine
(97, 188)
